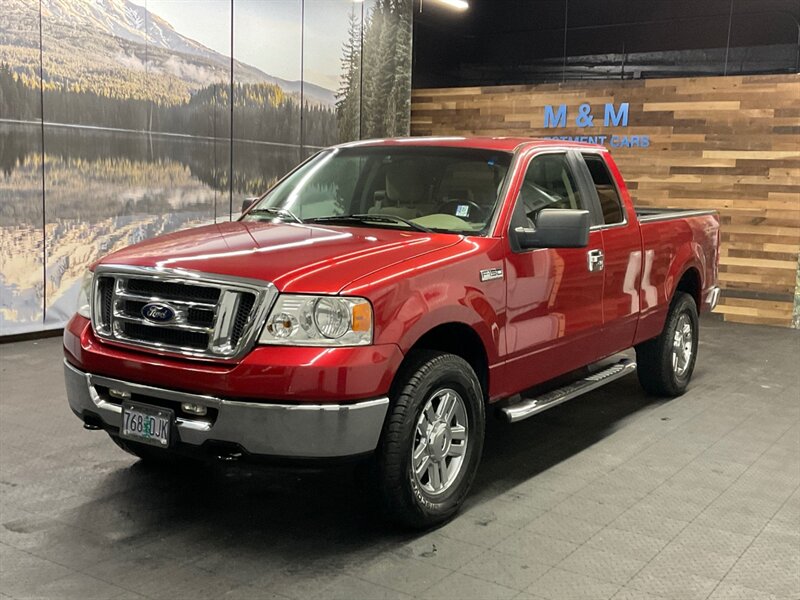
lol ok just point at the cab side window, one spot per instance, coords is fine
(610, 202)
(548, 183)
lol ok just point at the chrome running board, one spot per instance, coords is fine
(527, 407)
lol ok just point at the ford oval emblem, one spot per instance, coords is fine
(158, 313)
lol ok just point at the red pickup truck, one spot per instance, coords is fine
(379, 299)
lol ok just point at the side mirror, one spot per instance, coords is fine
(248, 202)
(556, 228)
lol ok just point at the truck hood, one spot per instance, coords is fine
(295, 257)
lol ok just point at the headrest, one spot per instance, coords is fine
(404, 186)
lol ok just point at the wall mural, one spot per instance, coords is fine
(125, 119)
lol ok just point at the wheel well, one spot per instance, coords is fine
(690, 283)
(461, 340)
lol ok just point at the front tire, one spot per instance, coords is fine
(665, 364)
(432, 439)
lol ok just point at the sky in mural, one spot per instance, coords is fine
(279, 20)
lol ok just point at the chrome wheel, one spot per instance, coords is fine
(682, 345)
(440, 442)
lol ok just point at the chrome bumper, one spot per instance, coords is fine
(285, 430)
(713, 297)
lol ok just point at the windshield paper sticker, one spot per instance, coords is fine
(462, 210)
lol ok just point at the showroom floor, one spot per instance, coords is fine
(613, 495)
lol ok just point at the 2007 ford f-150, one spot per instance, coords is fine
(379, 299)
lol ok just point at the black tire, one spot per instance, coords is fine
(654, 358)
(425, 375)
(150, 454)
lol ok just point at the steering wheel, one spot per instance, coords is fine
(476, 211)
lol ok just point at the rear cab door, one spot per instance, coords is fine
(623, 261)
(554, 312)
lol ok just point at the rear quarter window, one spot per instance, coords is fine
(607, 193)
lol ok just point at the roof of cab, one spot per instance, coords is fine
(504, 144)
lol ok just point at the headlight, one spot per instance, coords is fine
(318, 321)
(85, 295)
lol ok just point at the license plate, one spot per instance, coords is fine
(146, 424)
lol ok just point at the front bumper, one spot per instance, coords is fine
(284, 374)
(277, 430)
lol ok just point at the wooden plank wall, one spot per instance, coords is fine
(728, 143)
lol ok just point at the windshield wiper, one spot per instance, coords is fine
(363, 218)
(281, 212)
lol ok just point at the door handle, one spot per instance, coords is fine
(596, 260)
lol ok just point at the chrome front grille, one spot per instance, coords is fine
(178, 311)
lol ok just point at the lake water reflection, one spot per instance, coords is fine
(102, 191)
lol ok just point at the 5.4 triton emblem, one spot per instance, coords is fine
(158, 313)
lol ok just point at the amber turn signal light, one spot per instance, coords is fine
(362, 317)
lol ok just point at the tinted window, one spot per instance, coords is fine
(606, 190)
(549, 184)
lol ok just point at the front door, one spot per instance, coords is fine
(555, 302)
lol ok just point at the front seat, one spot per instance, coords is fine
(405, 192)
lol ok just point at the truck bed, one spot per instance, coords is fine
(672, 240)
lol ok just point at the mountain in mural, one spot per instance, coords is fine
(118, 49)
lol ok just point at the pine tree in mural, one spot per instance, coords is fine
(383, 64)
(401, 90)
(348, 97)
(376, 69)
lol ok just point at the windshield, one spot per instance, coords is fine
(451, 190)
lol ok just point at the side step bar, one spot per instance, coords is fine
(528, 407)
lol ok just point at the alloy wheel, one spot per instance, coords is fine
(440, 442)
(682, 345)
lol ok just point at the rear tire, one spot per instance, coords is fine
(432, 439)
(665, 363)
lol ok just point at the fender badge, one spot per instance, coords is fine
(491, 274)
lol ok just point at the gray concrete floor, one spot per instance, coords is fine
(612, 495)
